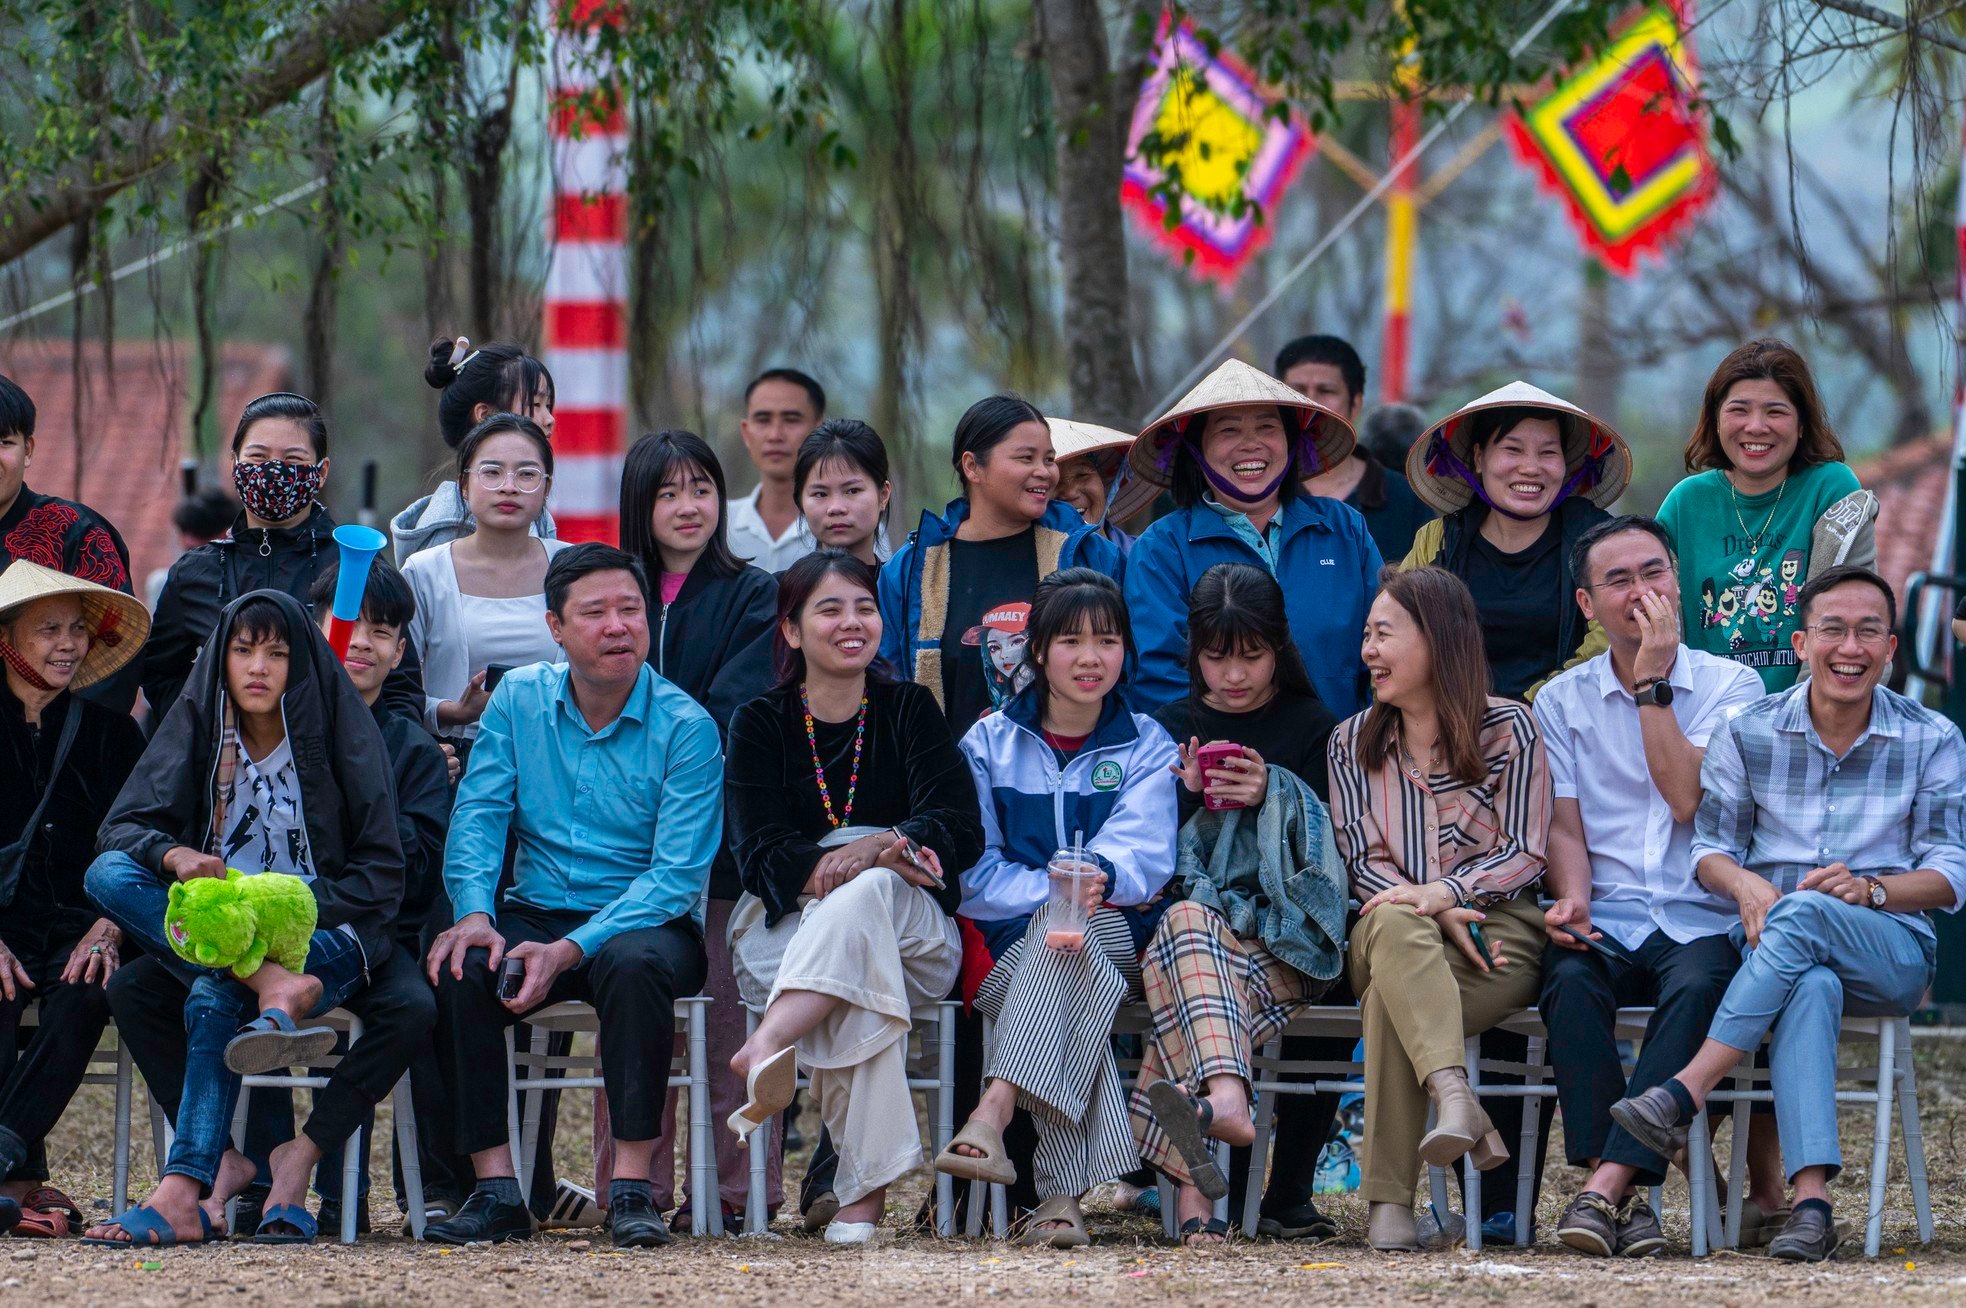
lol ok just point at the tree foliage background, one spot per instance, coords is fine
(918, 200)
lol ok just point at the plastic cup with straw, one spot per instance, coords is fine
(1070, 875)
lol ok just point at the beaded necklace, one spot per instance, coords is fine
(819, 771)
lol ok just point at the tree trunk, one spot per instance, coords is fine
(1600, 373)
(1090, 122)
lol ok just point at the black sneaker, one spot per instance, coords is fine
(251, 1204)
(1590, 1225)
(329, 1216)
(483, 1220)
(636, 1224)
(1298, 1222)
(1639, 1233)
(1809, 1236)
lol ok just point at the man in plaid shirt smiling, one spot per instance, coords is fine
(1834, 815)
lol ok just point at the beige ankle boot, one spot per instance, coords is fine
(1460, 1125)
(1389, 1228)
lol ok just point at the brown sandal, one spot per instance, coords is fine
(47, 1214)
(994, 1166)
(1058, 1208)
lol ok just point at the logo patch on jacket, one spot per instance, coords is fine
(1107, 776)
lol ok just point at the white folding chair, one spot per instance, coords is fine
(530, 1076)
(1889, 1081)
(932, 1047)
(109, 1067)
(1269, 1068)
(354, 1150)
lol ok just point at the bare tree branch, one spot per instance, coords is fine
(1917, 29)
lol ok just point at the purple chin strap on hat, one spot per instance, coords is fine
(1443, 462)
(1305, 462)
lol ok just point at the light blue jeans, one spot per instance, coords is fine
(1819, 959)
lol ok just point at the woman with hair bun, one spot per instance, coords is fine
(476, 383)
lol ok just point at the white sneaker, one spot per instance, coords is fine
(852, 1232)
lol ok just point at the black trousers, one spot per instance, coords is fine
(398, 1016)
(40, 1075)
(1582, 992)
(632, 981)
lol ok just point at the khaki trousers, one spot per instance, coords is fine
(1421, 998)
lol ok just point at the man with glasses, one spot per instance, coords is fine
(1834, 816)
(1625, 732)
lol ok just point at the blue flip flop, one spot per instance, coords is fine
(9, 1214)
(272, 1043)
(141, 1223)
(293, 1215)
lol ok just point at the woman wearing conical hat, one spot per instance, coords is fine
(1094, 479)
(62, 761)
(1234, 452)
(1518, 476)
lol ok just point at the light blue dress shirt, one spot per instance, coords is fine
(621, 823)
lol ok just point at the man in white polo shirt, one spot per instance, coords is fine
(781, 406)
(1626, 733)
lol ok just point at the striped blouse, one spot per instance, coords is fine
(1488, 839)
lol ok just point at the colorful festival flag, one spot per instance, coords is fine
(1621, 142)
(1226, 143)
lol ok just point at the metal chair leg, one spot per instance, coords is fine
(1699, 1180)
(706, 1208)
(1880, 1154)
(121, 1193)
(1265, 1111)
(404, 1101)
(945, 1115)
(1470, 1176)
(1914, 1133)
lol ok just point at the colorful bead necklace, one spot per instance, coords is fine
(819, 771)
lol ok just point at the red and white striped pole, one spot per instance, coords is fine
(586, 278)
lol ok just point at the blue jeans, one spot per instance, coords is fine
(135, 899)
(1819, 958)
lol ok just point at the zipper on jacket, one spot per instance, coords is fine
(661, 639)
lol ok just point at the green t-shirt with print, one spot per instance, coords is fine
(1743, 560)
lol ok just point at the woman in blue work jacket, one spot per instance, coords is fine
(1233, 452)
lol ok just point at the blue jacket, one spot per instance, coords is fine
(914, 587)
(1117, 790)
(1328, 568)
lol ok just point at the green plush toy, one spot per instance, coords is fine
(241, 921)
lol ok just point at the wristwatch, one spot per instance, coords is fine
(1877, 895)
(1658, 693)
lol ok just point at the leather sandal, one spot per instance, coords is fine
(1058, 1208)
(1195, 1226)
(1185, 1121)
(994, 1166)
(48, 1214)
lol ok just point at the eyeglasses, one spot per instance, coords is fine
(1868, 633)
(1622, 580)
(526, 478)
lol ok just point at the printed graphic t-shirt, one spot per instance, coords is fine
(265, 828)
(1743, 560)
(990, 587)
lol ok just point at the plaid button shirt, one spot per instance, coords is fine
(1780, 804)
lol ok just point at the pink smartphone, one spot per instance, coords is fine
(1212, 756)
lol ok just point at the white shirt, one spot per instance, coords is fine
(751, 540)
(267, 830)
(1641, 860)
(459, 635)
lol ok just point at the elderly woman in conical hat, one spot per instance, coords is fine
(1234, 453)
(1518, 476)
(1094, 479)
(62, 760)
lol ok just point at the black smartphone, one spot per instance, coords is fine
(915, 860)
(492, 673)
(1611, 949)
(1480, 943)
(511, 978)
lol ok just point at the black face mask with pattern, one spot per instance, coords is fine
(277, 490)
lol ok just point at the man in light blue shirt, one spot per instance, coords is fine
(609, 780)
(1834, 815)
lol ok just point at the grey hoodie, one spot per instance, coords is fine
(441, 517)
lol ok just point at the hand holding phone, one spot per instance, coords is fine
(1214, 756)
(1481, 944)
(511, 978)
(493, 672)
(906, 848)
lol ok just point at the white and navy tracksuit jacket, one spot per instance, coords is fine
(1117, 790)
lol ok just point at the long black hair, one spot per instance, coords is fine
(290, 407)
(652, 460)
(499, 374)
(983, 427)
(1065, 601)
(1236, 607)
(795, 590)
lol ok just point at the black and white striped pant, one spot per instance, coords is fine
(1053, 1041)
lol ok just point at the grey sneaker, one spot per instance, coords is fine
(1590, 1225)
(1652, 1119)
(1809, 1236)
(1639, 1234)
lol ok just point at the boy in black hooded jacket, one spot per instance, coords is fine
(269, 761)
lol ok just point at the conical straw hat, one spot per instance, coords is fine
(118, 623)
(1233, 385)
(1441, 464)
(1070, 440)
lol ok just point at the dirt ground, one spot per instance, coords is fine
(1126, 1265)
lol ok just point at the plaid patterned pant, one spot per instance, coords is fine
(1214, 999)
